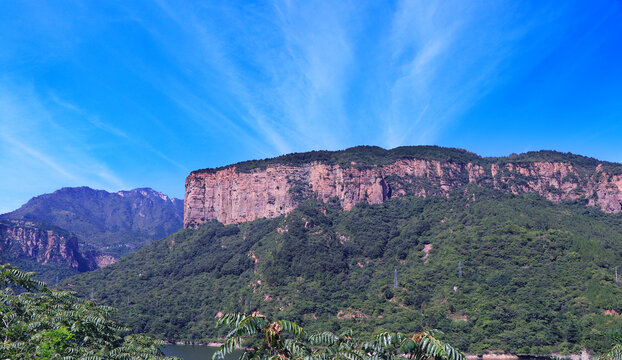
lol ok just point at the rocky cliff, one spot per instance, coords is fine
(34, 241)
(272, 187)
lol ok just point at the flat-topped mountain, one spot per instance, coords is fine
(478, 249)
(272, 187)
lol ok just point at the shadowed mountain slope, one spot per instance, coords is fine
(111, 223)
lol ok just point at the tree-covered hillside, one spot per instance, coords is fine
(493, 271)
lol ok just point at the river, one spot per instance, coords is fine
(201, 352)
(195, 352)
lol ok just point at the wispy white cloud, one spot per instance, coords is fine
(67, 105)
(288, 91)
(446, 57)
(247, 102)
(204, 73)
(115, 131)
(273, 78)
(282, 76)
(38, 154)
(311, 79)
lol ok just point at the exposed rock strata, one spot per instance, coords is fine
(103, 260)
(230, 196)
(27, 239)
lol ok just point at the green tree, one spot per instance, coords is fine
(616, 351)
(614, 354)
(40, 323)
(281, 339)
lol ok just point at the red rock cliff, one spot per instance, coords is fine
(231, 196)
(25, 239)
(21, 238)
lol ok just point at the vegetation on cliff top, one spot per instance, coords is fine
(491, 270)
(374, 156)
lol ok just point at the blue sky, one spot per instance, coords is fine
(124, 94)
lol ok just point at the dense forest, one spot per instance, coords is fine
(492, 271)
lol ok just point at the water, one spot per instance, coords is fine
(195, 352)
(198, 352)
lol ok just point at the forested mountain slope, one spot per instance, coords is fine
(494, 271)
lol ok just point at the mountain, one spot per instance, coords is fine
(494, 271)
(269, 188)
(526, 267)
(114, 223)
(80, 229)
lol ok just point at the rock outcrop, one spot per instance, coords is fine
(231, 195)
(30, 240)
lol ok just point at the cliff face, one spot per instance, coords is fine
(27, 239)
(231, 196)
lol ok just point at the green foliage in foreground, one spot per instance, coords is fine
(39, 323)
(537, 277)
(616, 351)
(614, 354)
(283, 339)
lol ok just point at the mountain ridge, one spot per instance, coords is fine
(271, 187)
(113, 223)
(426, 152)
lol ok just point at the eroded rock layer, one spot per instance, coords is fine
(232, 196)
(28, 239)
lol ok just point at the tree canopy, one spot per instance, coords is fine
(282, 339)
(41, 323)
